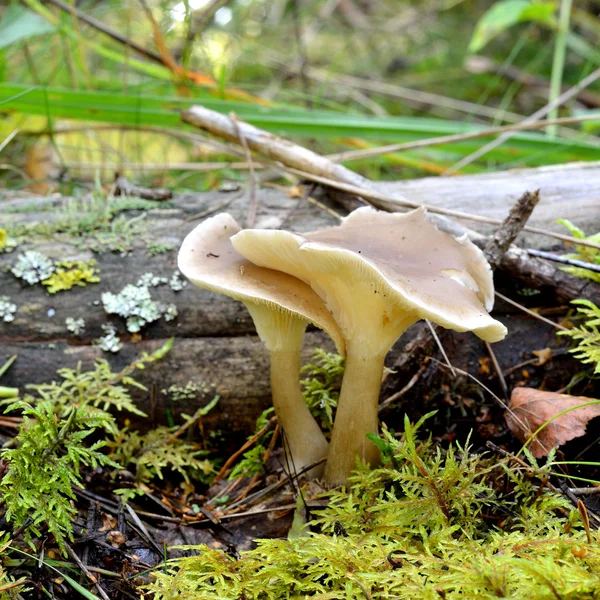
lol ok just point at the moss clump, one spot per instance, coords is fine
(69, 273)
(321, 389)
(583, 253)
(429, 524)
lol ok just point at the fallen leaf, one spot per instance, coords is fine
(484, 366)
(108, 522)
(529, 409)
(543, 356)
(115, 538)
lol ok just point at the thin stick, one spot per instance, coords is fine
(456, 137)
(531, 313)
(184, 166)
(143, 529)
(208, 13)
(99, 26)
(563, 259)
(439, 345)
(266, 455)
(324, 207)
(536, 116)
(411, 95)
(86, 571)
(406, 388)
(243, 449)
(252, 205)
(271, 488)
(15, 584)
(498, 370)
(521, 463)
(584, 491)
(499, 400)
(8, 139)
(505, 235)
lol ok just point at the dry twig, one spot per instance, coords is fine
(87, 573)
(270, 423)
(456, 137)
(406, 388)
(253, 203)
(536, 116)
(505, 235)
(564, 260)
(124, 187)
(531, 313)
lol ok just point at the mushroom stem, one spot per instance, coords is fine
(356, 415)
(302, 435)
(283, 335)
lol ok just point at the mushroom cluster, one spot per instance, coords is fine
(374, 275)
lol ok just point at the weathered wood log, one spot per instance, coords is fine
(570, 191)
(41, 316)
(215, 340)
(235, 367)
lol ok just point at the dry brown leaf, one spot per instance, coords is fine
(108, 522)
(484, 365)
(115, 538)
(543, 356)
(529, 409)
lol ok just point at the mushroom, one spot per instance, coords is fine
(281, 307)
(379, 273)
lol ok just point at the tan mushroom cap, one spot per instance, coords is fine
(208, 259)
(402, 259)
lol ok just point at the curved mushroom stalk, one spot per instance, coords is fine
(281, 306)
(378, 273)
(283, 334)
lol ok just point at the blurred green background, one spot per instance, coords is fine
(94, 86)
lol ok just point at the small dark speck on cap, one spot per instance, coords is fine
(359, 251)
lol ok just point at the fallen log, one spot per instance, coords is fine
(215, 342)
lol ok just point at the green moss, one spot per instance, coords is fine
(583, 253)
(321, 389)
(430, 523)
(70, 273)
(156, 248)
(56, 439)
(99, 223)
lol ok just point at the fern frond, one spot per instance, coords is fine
(586, 335)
